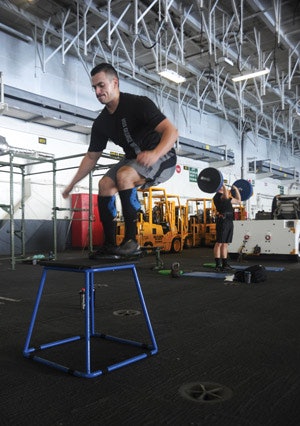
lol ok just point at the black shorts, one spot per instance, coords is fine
(224, 228)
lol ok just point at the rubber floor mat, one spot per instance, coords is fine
(241, 267)
(204, 274)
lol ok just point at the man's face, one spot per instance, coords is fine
(105, 86)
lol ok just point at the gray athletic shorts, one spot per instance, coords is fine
(160, 172)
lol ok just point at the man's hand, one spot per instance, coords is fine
(87, 164)
(66, 191)
(147, 158)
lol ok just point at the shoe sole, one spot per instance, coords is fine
(102, 256)
(115, 256)
(127, 255)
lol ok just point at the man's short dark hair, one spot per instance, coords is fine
(105, 67)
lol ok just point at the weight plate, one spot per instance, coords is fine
(210, 180)
(245, 188)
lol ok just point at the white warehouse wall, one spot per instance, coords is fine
(70, 83)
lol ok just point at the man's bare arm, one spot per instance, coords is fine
(237, 196)
(86, 166)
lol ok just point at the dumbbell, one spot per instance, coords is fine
(211, 180)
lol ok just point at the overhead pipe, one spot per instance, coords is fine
(21, 152)
(15, 33)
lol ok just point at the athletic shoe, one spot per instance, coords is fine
(128, 248)
(227, 267)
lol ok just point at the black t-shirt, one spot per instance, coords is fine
(131, 126)
(223, 205)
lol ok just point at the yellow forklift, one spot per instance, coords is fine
(161, 222)
(201, 221)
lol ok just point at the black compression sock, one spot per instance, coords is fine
(130, 207)
(108, 213)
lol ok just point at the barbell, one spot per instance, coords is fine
(211, 180)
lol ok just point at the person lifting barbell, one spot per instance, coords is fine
(211, 180)
(223, 201)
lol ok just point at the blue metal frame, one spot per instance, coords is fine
(30, 352)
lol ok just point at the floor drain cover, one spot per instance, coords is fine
(205, 392)
(126, 312)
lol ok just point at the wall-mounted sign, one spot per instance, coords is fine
(281, 189)
(193, 174)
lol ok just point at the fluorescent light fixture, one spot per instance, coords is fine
(173, 76)
(228, 61)
(253, 74)
(225, 59)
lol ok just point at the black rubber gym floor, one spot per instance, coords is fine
(228, 353)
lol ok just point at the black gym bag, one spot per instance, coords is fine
(258, 274)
